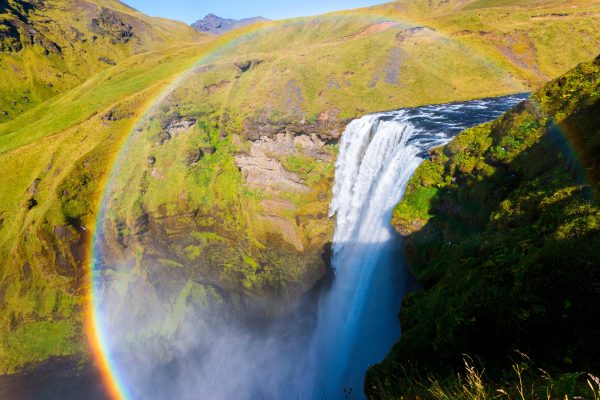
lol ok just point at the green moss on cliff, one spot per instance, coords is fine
(507, 245)
(36, 341)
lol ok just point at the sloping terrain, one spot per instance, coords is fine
(47, 47)
(385, 57)
(502, 229)
(227, 180)
(43, 286)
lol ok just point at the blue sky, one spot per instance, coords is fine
(192, 10)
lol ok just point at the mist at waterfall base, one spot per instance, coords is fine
(322, 349)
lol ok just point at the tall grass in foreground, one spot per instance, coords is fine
(524, 381)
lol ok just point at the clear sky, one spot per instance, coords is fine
(192, 10)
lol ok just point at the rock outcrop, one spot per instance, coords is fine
(217, 25)
(248, 218)
(327, 127)
(112, 25)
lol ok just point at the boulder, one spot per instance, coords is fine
(179, 125)
(162, 138)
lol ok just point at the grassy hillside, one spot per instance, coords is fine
(390, 56)
(235, 166)
(502, 229)
(532, 40)
(43, 273)
(47, 47)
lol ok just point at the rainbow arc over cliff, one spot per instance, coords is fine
(113, 380)
(116, 388)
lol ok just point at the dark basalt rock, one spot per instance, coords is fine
(17, 34)
(32, 202)
(78, 36)
(176, 126)
(142, 224)
(16, 30)
(116, 115)
(328, 127)
(10, 39)
(33, 37)
(33, 188)
(245, 66)
(121, 227)
(107, 60)
(194, 156)
(110, 24)
(162, 138)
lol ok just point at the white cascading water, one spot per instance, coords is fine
(357, 323)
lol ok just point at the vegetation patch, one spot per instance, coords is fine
(507, 250)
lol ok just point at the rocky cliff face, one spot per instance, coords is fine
(216, 25)
(247, 217)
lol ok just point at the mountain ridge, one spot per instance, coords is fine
(216, 25)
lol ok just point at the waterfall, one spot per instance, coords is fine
(376, 160)
(357, 322)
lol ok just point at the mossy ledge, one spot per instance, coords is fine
(502, 230)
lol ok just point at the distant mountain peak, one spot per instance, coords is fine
(216, 25)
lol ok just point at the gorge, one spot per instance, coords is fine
(190, 348)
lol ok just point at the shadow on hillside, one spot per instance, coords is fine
(529, 281)
(59, 378)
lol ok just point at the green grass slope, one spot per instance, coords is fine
(43, 276)
(390, 56)
(502, 229)
(47, 47)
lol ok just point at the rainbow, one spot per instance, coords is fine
(97, 336)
